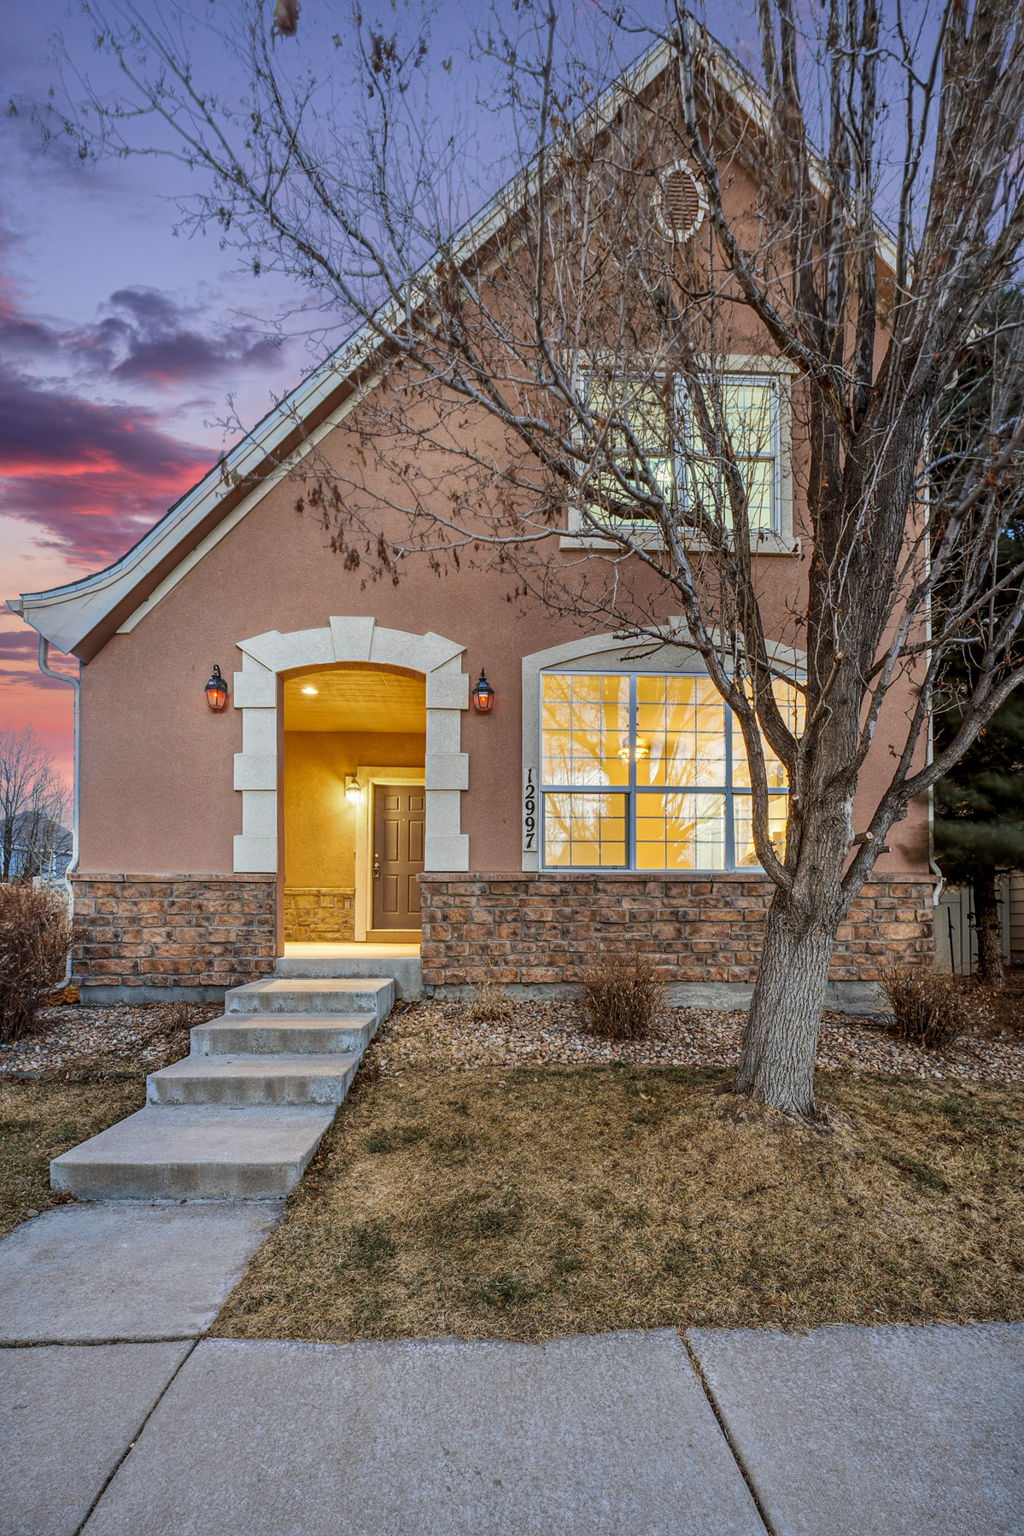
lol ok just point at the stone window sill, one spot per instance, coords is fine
(760, 543)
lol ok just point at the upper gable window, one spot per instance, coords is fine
(668, 445)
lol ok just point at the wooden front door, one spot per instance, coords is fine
(397, 854)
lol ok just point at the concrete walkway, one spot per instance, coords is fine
(119, 1417)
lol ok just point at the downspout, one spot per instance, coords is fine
(940, 883)
(75, 683)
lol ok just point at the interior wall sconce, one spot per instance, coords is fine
(483, 695)
(353, 789)
(216, 691)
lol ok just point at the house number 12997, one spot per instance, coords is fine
(529, 812)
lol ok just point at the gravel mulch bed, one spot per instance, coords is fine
(444, 1035)
(115, 1038)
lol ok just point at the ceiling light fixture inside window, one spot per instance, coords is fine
(310, 689)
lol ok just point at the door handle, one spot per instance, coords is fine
(376, 866)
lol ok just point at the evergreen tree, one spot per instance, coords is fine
(979, 805)
(979, 822)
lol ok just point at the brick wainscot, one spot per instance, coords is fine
(150, 937)
(537, 929)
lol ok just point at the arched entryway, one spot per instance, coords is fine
(272, 663)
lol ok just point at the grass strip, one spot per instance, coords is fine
(532, 1203)
(41, 1119)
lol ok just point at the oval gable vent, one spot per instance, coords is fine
(680, 202)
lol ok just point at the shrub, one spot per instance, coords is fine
(930, 1008)
(622, 995)
(489, 1003)
(35, 936)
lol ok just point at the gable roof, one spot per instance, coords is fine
(81, 616)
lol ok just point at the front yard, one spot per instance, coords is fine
(515, 1178)
(532, 1203)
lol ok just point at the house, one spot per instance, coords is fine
(359, 799)
(34, 846)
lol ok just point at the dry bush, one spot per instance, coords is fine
(35, 936)
(490, 1003)
(621, 995)
(931, 1008)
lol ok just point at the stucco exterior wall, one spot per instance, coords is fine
(157, 791)
(157, 766)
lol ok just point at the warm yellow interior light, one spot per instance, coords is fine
(308, 688)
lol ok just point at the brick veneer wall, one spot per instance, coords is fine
(541, 927)
(319, 914)
(174, 930)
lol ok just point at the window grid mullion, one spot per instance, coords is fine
(631, 794)
(632, 790)
(730, 837)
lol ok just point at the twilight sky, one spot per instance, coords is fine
(121, 343)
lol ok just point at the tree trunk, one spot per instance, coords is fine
(988, 928)
(781, 1040)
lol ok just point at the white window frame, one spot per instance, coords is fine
(780, 539)
(632, 792)
(612, 652)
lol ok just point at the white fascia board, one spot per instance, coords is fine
(244, 507)
(65, 615)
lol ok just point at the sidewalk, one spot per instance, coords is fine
(163, 1432)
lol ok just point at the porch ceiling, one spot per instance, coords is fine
(355, 699)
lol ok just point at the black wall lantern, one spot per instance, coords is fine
(483, 695)
(216, 691)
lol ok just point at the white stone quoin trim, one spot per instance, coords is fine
(255, 693)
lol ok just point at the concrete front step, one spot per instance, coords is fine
(284, 1034)
(406, 971)
(253, 1080)
(302, 994)
(199, 1153)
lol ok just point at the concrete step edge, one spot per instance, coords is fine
(236, 1153)
(260, 999)
(260, 1065)
(264, 1034)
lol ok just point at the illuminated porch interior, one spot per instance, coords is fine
(337, 721)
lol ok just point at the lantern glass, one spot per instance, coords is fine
(483, 695)
(216, 691)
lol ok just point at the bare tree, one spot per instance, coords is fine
(568, 362)
(34, 808)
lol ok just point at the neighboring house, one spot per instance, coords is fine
(351, 793)
(39, 847)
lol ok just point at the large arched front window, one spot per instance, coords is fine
(648, 771)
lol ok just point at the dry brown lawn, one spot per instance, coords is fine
(531, 1203)
(39, 1120)
(82, 1069)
